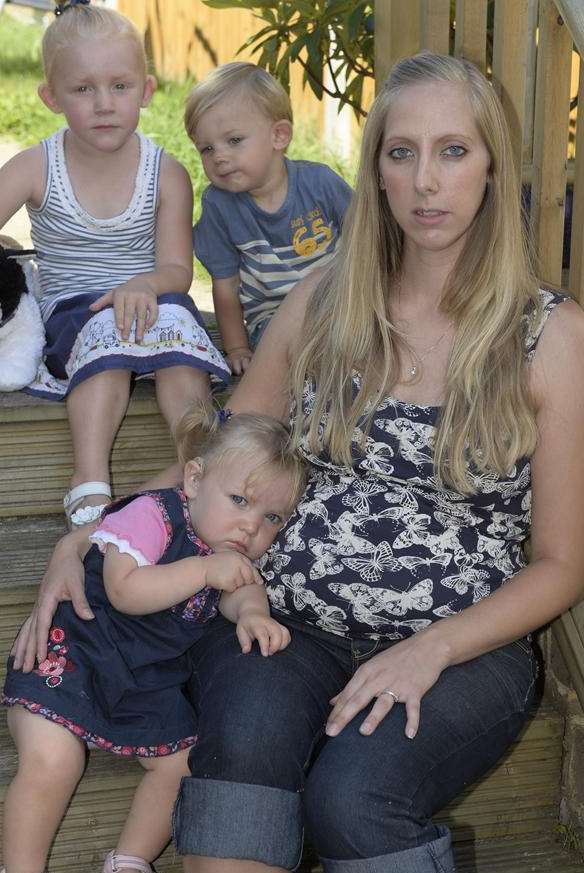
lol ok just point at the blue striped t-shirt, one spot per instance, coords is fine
(272, 251)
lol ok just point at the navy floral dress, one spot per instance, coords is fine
(381, 550)
(118, 681)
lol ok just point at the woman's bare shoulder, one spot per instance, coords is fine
(265, 386)
(558, 363)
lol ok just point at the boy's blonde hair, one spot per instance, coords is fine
(237, 79)
(87, 22)
(207, 434)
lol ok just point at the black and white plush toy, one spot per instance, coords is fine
(22, 335)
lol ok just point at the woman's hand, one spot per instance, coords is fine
(407, 669)
(63, 580)
(134, 301)
(271, 636)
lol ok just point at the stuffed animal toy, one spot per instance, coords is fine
(22, 335)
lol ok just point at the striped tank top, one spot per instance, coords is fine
(78, 253)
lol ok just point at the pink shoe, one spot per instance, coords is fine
(116, 861)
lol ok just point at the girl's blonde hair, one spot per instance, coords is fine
(237, 79)
(204, 433)
(488, 417)
(87, 22)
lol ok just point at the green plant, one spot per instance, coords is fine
(22, 115)
(331, 39)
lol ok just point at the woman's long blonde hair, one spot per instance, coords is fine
(488, 417)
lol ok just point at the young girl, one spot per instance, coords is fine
(155, 574)
(111, 221)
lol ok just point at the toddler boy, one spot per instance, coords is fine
(266, 220)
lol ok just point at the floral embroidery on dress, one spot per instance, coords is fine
(56, 663)
(98, 741)
(202, 606)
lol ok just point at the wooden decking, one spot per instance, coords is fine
(36, 451)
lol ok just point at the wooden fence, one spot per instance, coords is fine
(186, 38)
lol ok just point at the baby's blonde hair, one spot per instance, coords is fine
(237, 79)
(87, 22)
(213, 437)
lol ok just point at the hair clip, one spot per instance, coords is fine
(72, 3)
(223, 415)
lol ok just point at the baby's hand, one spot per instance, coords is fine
(272, 636)
(238, 360)
(134, 301)
(228, 571)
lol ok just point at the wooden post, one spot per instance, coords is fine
(550, 141)
(577, 242)
(530, 68)
(470, 35)
(156, 36)
(510, 53)
(435, 25)
(397, 34)
(572, 11)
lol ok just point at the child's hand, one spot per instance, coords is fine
(228, 571)
(134, 301)
(238, 360)
(272, 636)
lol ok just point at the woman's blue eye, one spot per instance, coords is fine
(401, 153)
(455, 151)
(238, 499)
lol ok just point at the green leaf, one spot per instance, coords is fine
(262, 8)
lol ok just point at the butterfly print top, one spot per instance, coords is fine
(382, 550)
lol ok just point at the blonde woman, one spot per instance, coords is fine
(437, 396)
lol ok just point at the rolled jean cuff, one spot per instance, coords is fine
(215, 819)
(434, 857)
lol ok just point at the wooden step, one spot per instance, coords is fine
(37, 454)
(531, 853)
(25, 546)
(506, 822)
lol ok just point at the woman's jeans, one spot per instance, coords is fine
(263, 769)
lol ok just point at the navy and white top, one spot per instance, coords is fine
(78, 253)
(382, 550)
(272, 251)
